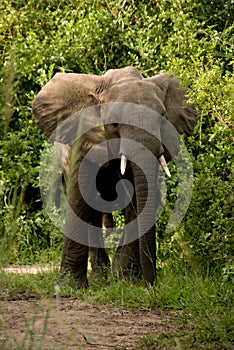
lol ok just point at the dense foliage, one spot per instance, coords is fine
(193, 39)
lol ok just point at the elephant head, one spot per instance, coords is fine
(133, 110)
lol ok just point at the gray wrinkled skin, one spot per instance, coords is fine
(120, 112)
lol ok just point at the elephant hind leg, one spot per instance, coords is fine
(107, 223)
(99, 259)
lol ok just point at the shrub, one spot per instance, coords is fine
(194, 40)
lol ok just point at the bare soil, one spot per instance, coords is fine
(70, 323)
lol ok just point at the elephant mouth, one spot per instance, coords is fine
(161, 159)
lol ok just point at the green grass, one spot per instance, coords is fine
(202, 305)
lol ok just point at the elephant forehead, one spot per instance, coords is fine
(131, 116)
(123, 73)
(139, 92)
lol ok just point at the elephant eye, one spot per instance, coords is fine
(115, 125)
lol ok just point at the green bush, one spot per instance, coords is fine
(192, 39)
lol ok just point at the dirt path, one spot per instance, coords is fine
(74, 324)
(69, 323)
(28, 269)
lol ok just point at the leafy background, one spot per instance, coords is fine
(193, 39)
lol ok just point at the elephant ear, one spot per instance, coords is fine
(65, 95)
(180, 114)
(64, 153)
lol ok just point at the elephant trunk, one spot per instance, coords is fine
(146, 207)
(144, 165)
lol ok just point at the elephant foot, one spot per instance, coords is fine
(99, 277)
(126, 263)
(131, 272)
(131, 275)
(100, 264)
(68, 278)
(74, 264)
(81, 283)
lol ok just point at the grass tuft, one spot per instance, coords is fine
(202, 306)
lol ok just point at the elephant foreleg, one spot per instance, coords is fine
(107, 223)
(76, 244)
(75, 261)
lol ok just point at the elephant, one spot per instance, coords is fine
(127, 119)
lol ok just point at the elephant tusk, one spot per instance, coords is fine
(163, 163)
(123, 164)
